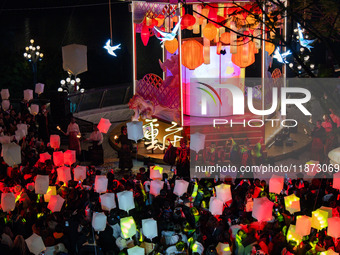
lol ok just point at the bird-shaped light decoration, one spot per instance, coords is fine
(281, 57)
(164, 36)
(110, 49)
(304, 42)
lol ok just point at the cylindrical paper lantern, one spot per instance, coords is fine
(11, 154)
(181, 187)
(276, 184)
(197, 142)
(108, 201)
(233, 38)
(7, 202)
(5, 104)
(171, 46)
(4, 94)
(192, 54)
(100, 184)
(80, 173)
(262, 209)
(99, 221)
(206, 51)
(149, 227)
(155, 187)
(333, 229)
(135, 130)
(104, 125)
(55, 141)
(128, 227)
(39, 88)
(58, 158)
(245, 55)
(35, 244)
(223, 192)
(64, 174)
(44, 156)
(319, 219)
(292, 235)
(156, 173)
(41, 184)
(51, 191)
(136, 250)
(56, 203)
(215, 206)
(5, 139)
(69, 157)
(28, 94)
(292, 203)
(303, 225)
(125, 200)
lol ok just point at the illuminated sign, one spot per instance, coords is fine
(110, 49)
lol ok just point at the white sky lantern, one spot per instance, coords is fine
(155, 187)
(262, 209)
(223, 192)
(58, 158)
(5, 104)
(149, 227)
(156, 173)
(303, 225)
(181, 187)
(125, 200)
(22, 127)
(44, 156)
(64, 174)
(7, 202)
(104, 125)
(319, 219)
(69, 157)
(39, 88)
(223, 249)
(215, 206)
(100, 184)
(336, 181)
(55, 141)
(292, 203)
(11, 154)
(75, 58)
(135, 130)
(34, 109)
(334, 155)
(51, 191)
(276, 184)
(197, 248)
(79, 173)
(19, 134)
(108, 201)
(128, 227)
(41, 184)
(5, 139)
(99, 221)
(5, 94)
(28, 94)
(35, 244)
(333, 229)
(292, 235)
(136, 250)
(56, 203)
(197, 142)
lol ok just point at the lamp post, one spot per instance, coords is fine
(33, 55)
(70, 85)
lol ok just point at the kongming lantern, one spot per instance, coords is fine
(197, 142)
(34, 109)
(64, 174)
(181, 187)
(108, 201)
(35, 244)
(4, 94)
(155, 187)
(334, 155)
(7, 202)
(303, 225)
(333, 229)
(39, 88)
(292, 203)
(292, 235)
(58, 158)
(156, 173)
(128, 227)
(69, 157)
(41, 184)
(100, 184)
(262, 209)
(276, 184)
(44, 156)
(5, 139)
(56, 203)
(55, 141)
(19, 134)
(192, 54)
(215, 206)
(336, 181)
(28, 94)
(11, 154)
(171, 46)
(79, 173)
(135, 130)
(136, 250)
(223, 192)
(51, 191)
(125, 200)
(104, 125)
(319, 219)
(223, 249)
(99, 221)
(149, 227)
(5, 104)
(23, 127)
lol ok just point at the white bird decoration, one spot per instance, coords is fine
(304, 42)
(281, 57)
(110, 49)
(168, 36)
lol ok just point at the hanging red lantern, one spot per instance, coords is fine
(187, 21)
(145, 35)
(220, 20)
(213, 8)
(192, 54)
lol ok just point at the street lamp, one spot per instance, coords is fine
(70, 85)
(33, 55)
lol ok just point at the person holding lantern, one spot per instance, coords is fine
(73, 133)
(182, 159)
(125, 152)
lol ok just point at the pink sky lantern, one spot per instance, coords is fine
(39, 88)
(223, 192)
(64, 174)
(22, 127)
(34, 109)
(58, 158)
(28, 94)
(99, 221)
(276, 184)
(303, 225)
(5, 104)
(333, 229)
(128, 227)
(5, 139)
(319, 219)
(262, 209)
(197, 142)
(11, 154)
(79, 173)
(336, 181)
(293, 236)
(7, 202)
(5, 94)
(41, 184)
(125, 200)
(35, 244)
(149, 227)
(135, 130)
(56, 203)
(156, 173)
(55, 141)
(100, 184)
(181, 187)
(215, 206)
(108, 201)
(104, 125)
(292, 203)
(69, 157)
(223, 249)
(136, 250)
(155, 187)
(44, 156)
(51, 191)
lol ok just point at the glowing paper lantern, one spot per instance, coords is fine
(135, 130)
(270, 47)
(276, 184)
(223, 249)
(171, 46)
(319, 219)
(75, 58)
(181, 187)
(58, 158)
(79, 173)
(156, 172)
(5, 139)
(209, 31)
(334, 155)
(34, 109)
(64, 174)
(136, 250)
(35, 244)
(99, 221)
(51, 191)
(128, 227)
(245, 55)
(23, 127)
(192, 54)
(328, 210)
(55, 141)
(56, 203)
(206, 51)
(28, 94)
(4, 94)
(155, 187)
(188, 20)
(11, 154)
(149, 227)
(19, 134)
(215, 206)
(69, 157)
(5, 104)
(223, 192)
(303, 225)
(44, 156)
(262, 209)
(125, 200)
(100, 184)
(108, 201)
(104, 125)
(336, 181)
(197, 142)
(292, 235)
(41, 184)
(39, 88)
(292, 203)
(197, 248)
(145, 35)
(225, 38)
(7, 202)
(333, 229)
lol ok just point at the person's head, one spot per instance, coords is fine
(123, 130)
(325, 117)
(73, 120)
(183, 143)
(331, 110)
(318, 123)
(19, 243)
(95, 128)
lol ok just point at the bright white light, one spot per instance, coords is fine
(73, 82)
(41, 55)
(30, 47)
(37, 53)
(77, 88)
(306, 36)
(312, 66)
(297, 37)
(291, 65)
(32, 41)
(60, 89)
(302, 49)
(296, 30)
(299, 67)
(27, 48)
(306, 58)
(25, 55)
(82, 90)
(77, 80)
(68, 79)
(38, 47)
(33, 48)
(62, 82)
(29, 55)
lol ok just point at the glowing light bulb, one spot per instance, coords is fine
(306, 58)
(38, 47)
(68, 79)
(296, 30)
(73, 82)
(62, 82)
(299, 67)
(291, 65)
(32, 41)
(302, 49)
(60, 89)
(25, 55)
(77, 80)
(312, 66)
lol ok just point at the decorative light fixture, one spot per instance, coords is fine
(33, 54)
(71, 85)
(108, 46)
(281, 57)
(303, 42)
(164, 36)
